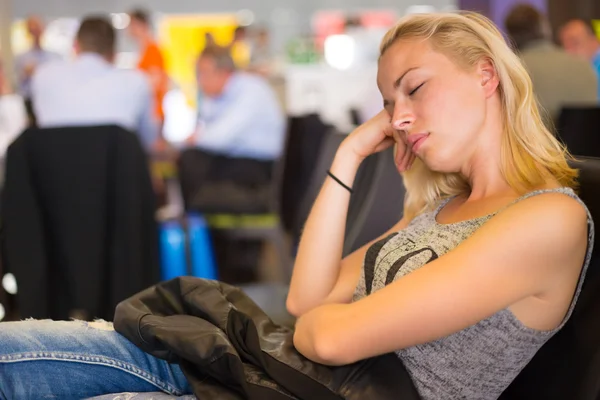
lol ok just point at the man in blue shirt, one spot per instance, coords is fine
(26, 63)
(578, 37)
(90, 90)
(240, 115)
(240, 133)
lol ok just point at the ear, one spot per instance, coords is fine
(76, 47)
(489, 76)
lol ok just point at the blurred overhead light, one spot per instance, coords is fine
(2, 312)
(339, 51)
(245, 17)
(9, 283)
(120, 20)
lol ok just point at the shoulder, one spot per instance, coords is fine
(51, 69)
(24, 56)
(21, 57)
(540, 59)
(246, 79)
(550, 208)
(552, 223)
(531, 242)
(256, 88)
(152, 54)
(133, 75)
(12, 102)
(153, 49)
(573, 65)
(13, 106)
(131, 79)
(51, 55)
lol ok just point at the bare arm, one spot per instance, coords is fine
(320, 275)
(543, 247)
(317, 265)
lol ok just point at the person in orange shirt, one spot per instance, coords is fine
(151, 60)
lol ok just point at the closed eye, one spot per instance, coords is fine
(415, 89)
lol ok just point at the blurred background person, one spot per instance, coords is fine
(209, 39)
(240, 116)
(559, 79)
(151, 60)
(261, 58)
(90, 90)
(26, 63)
(228, 167)
(13, 117)
(241, 48)
(240, 132)
(578, 37)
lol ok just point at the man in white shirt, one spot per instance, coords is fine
(13, 118)
(240, 116)
(90, 90)
(26, 63)
(240, 134)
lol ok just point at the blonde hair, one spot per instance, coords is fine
(530, 153)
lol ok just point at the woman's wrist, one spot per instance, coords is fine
(345, 164)
(347, 156)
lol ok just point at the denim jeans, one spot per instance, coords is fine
(77, 360)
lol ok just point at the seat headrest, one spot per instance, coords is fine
(589, 183)
(579, 129)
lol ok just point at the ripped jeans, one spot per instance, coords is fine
(78, 360)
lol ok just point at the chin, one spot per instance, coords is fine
(443, 164)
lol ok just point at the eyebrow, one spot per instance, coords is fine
(399, 80)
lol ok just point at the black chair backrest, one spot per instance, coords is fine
(304, 140)
(310, 190)
(382, 206)
(568, 365)
(355, 117)
(361, 208)
(363, 188)
(78, 220)
(579, 129)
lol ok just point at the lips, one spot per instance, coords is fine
(416, 140)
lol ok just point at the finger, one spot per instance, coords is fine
(401, 158)
(399, 152)
(407, 166)
(413, 157)
(401, 148)
(405, 160)
(385, 144)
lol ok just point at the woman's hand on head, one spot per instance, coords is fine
(377, 134)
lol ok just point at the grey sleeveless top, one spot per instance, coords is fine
(480, 361)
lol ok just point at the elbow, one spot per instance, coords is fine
(293, 307)
(325, 349)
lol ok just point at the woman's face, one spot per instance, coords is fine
(440, 107)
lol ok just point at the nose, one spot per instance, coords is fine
(403, 117)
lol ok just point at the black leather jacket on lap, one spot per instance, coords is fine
(229, 349)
